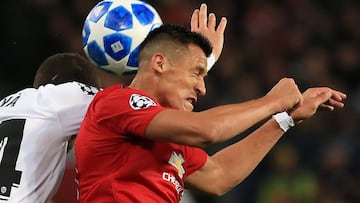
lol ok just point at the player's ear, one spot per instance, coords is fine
(157, 62)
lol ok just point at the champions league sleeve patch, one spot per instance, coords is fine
(140, 102)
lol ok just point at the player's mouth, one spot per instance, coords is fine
(192, 100)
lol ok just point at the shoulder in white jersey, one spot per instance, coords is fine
(35, 126)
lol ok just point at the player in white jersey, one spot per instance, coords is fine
(37, 123)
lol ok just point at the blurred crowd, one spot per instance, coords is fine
(316, 42)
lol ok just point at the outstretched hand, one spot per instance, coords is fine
(201, 24)
(317, 98)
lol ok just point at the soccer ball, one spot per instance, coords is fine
(113, 31)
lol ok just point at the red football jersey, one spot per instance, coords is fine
(115, 163)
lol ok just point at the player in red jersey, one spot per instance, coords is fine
(37, 125)
(143, 142)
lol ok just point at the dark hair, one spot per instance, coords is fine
(179, 34)
(66, 67)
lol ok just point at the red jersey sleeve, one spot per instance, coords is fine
(125, 111)
(197, 159)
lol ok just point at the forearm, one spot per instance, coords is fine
(231, 120)
(211, 126)
(240, 159)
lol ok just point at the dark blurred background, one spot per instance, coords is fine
(314, 41)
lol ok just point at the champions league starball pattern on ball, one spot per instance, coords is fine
(113, 31)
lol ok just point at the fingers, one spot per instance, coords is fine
(326, 107)
(201, 21)
(338, 96)
(194, 23)
(329, 99)
(311, 105)
(212, 21)
(205, 24)
(222, 25)
(203, 17)
(333, 103)
(335, 100)
(317, 98)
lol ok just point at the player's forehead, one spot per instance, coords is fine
(197, 55)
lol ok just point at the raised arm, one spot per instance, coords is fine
(206, 24)
(223, 122)
(230, 166)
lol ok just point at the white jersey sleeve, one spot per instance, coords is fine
(35, 126)
(68, 102)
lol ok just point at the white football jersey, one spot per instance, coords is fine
(35, 126)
